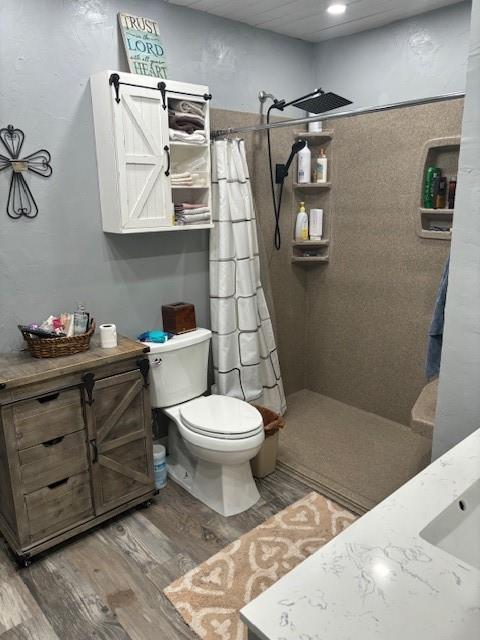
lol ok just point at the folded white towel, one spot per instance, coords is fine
(193, 212)
(185, 174)
(199, 217)
(198, 137)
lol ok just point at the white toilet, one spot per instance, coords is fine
(211, 439)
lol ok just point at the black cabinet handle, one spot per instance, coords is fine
(93, 444)
(53, 441)
(88, 380)
(162, 87)
(144, 366)
(49, 398)
(54, 485)
(167, 151)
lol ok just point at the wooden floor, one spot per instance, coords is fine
(108, 584)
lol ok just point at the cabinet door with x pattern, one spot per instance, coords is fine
(120, 434)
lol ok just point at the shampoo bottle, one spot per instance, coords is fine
(301, 225)
(304, 165)
(321, 167)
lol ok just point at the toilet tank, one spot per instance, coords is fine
(179, 368)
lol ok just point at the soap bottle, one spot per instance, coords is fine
(321, 167)
(304, 165)
(301, 225)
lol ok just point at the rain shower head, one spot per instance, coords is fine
(321, 102)
(318, 101)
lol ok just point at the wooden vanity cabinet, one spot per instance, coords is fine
(75, 443)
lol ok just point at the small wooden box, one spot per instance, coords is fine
(178, 317)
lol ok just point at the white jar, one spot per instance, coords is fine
(316, 224)
(314, 127)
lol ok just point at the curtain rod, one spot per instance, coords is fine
(331, 116)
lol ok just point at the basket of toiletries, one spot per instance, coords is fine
(61, 335)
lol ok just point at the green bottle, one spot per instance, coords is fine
(428, 195)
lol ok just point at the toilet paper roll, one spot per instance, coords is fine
(108, 336)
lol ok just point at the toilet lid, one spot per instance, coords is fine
(222, 417)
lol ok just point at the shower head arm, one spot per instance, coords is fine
(263, 96)
(281, 104)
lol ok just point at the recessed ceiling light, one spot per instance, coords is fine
(336, 9)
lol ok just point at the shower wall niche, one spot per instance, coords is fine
(314, 195)
(436, 224)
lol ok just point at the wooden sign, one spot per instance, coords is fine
(145, 52)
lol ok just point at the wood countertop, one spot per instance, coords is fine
(20, 368)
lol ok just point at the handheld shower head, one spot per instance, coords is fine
(281, 172)
(296, 147)
(282, 169)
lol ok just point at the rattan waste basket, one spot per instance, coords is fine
(265, 461)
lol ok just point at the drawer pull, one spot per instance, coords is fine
(49, 398)
(53, 441)
(54, 485)
(93, 444)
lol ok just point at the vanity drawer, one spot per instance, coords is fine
(47, 417)
(53, 460)
(59, 506)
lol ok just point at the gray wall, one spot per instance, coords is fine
(458, 408)
(61, 257)
(419, 57)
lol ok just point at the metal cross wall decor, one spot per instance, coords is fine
(20, 199)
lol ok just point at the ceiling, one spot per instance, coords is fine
(308, 19)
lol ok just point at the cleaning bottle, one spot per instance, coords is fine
(321, 167)
(304, 165)
(301, 225)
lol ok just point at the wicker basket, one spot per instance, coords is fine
(271, 420)
(56, 347)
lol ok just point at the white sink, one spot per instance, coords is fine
(457, 528)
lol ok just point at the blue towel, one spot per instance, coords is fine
(435, 333)
(154, 336)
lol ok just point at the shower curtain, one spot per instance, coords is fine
(245, 357)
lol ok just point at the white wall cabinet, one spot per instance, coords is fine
(136, 157)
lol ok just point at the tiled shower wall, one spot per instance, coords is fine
(369, 308)
(355, 328)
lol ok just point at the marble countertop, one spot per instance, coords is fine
(379, 578)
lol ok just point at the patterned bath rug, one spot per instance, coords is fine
(210, 596)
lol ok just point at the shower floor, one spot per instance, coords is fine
(347, 454)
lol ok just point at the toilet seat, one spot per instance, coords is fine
(221, 417)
